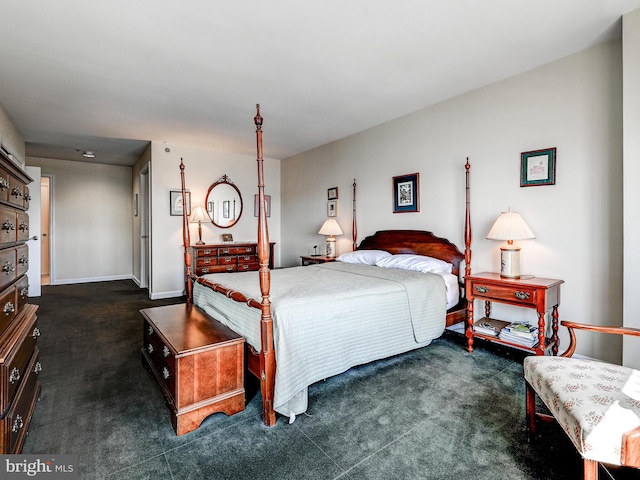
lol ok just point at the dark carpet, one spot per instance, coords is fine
(434, 413)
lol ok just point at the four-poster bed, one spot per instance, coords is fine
(358, 312)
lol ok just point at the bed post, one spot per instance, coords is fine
(467, 256)
(267, 355)
(467, 223)
(186, 239)
(354, 224)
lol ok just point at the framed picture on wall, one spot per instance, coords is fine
(175, 202)
(538, 167)
(332, 193)
(332, 208)
(406, 193)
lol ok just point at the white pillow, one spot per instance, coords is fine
(364, 257)
(416, 263)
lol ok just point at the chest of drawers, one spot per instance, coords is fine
(227, 257)
(19, 356)
(198, 362)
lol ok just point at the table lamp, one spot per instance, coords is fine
(330, 227)
(510, 226)
(199, 215)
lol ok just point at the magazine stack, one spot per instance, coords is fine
(521, 333)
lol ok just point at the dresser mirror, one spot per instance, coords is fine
(224, 203)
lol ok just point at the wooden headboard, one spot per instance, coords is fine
(416, 242)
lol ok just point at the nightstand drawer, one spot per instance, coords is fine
(509, 294)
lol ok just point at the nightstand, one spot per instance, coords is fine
(315, 259)
(541, 294)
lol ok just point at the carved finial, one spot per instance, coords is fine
(467, 166)
(181, 165)
(258, 119)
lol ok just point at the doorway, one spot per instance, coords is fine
(45, 228)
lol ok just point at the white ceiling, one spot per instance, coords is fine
(110, 76)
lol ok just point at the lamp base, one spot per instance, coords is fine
(510, 261)
(331, 247)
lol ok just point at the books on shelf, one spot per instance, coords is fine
(489, 326)
(522, 333)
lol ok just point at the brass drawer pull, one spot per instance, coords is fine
(150, 348)
(8, 268)
(16, 192)
(18, 423)
(165, 351)
(4, 184)
(229, 268)
(35, 333)
(24, 227)
(207, 252)
(8, 226)
(9, 308)
(15, 375)
(481, 289)
(23, 260)
(150, 330)
(522, 295)
(38, 368)
(165, 373)
(24, 292)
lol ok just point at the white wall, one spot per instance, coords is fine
(91, 220)
(10, 138)
(631, 92)
(202, 168)
(573, 104)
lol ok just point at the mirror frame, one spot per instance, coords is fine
(224, 180)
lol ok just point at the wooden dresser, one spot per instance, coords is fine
(19, 360)
(227, 257)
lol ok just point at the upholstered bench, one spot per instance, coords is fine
(597, 404)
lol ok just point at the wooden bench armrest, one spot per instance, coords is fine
(594, 328)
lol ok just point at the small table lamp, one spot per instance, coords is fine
(330, 227)
(199, 215)
(510, 226)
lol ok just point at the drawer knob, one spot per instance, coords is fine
(15, 375)
(8, 268)
(522, 295)
(35, 333)
(165, 351)
(165, 373)
(9, 308)
(150, 348)
(150, 330)
(18, 423)
(38, 368)
(481, 289)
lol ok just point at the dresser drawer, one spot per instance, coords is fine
(206, 252)
(216, 269)
(15, 423)
(162, 358)
(228, 260)
(248, 267)
(7, 267)
(247, 259)
(22, 292)
(8, 221)
(517, 294)
(16, 192)
(206, 261)
(22, 260)
(8, 307)
(22, 227)
(15, 358)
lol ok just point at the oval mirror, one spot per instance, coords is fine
(224, 203)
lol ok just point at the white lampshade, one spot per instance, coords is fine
(330, 227)
(199, 214)
(510, 226)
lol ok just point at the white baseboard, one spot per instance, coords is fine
(68, 281)
(162, 295)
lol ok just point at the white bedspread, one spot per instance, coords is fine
(331, 317)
